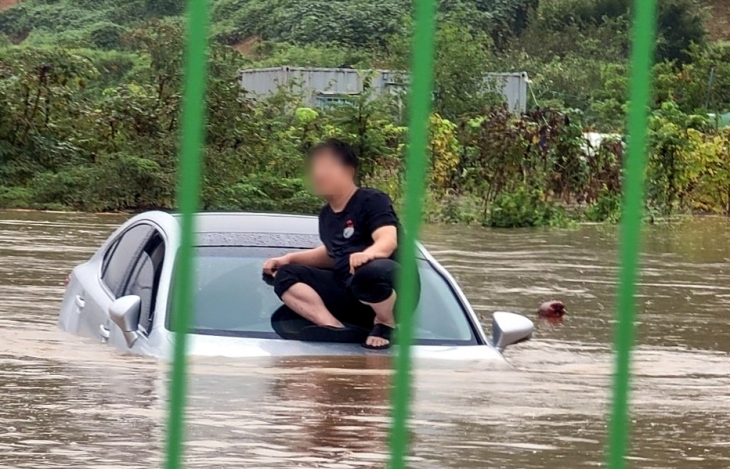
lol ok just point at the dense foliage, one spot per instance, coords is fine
(90, 105)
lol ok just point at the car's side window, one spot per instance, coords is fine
(120, 255)
(108, 256)
(144, 279)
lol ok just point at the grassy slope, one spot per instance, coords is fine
(56, 20)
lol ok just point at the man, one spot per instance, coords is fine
(349, 279)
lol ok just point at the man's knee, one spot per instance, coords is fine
(374, 281)
(286, 277)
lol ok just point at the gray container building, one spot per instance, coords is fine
(322, 86)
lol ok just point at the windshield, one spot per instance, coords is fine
(233, 300)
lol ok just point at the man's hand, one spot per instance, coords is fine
(359, 259)
(273, 264)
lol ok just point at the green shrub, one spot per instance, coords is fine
(302, 202)
(69, 188)
(524, 208)
(606, 208)
(452, 208)
(106, 35)
(263, 193)
(16, 197)
(240, 196)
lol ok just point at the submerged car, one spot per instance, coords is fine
(123, 294)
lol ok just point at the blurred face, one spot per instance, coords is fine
(329, 175)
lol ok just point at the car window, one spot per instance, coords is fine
(144, 279)
(120, 255)
(232, 298)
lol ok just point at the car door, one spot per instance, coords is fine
(108, 280)
(143, 280)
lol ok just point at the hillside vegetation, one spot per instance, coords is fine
(90, 102)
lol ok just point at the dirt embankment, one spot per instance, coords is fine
(246, 46)
(7, 3)
(718, 19)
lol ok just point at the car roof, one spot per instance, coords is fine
(249, 222)
(256, 229)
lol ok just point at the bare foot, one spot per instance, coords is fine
(379, 329)
(376, 342)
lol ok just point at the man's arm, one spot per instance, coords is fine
(317, 257)
(385, 242)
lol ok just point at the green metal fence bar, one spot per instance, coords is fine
(640, 92)
(416, 163)
(191, 148)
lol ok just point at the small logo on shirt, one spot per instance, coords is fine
(349, 229)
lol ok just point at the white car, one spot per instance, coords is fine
(122, 295)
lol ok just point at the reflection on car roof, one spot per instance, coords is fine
(274, 240)
(246, 222)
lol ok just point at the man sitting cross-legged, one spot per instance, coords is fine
(349, 279)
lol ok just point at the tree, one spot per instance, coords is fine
(461, 64)
(164, 7)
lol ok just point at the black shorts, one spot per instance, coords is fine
(372, 283)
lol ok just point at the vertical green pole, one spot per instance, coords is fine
(416, 163)
(191, 148)
(641, 60)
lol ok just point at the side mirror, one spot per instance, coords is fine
(510, 328)
(124, 312)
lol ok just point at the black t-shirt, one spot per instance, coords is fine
(351, 230)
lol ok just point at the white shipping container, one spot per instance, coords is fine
(321, 85)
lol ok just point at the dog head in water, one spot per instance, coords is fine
(552, 310)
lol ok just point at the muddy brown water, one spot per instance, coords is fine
(67, 402)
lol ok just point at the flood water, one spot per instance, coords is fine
(68, 402)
